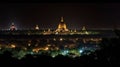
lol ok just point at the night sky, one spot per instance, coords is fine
(47, 15)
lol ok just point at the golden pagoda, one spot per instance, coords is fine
(62, 26)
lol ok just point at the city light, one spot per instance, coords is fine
(13, 46)
(80, 50)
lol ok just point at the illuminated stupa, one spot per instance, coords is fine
(62, 26)
(37, 27)
(84, 30)
(13, 27)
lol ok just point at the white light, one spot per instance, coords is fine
(80, 51)
(61, 39)
(65, 52)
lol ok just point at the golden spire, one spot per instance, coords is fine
(62, 19)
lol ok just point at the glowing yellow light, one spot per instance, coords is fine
(13, 46)
(86, 32)
(46, 48)
(61, 39)
(29, 44)
(35, 50)
(48, 45)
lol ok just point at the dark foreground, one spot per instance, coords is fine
(107, 56)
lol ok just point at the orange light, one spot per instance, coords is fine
(13, 46)
(46, 48)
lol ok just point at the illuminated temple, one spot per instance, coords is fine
(36, 27)
(61, 30)
(62, 27)
(61, 41)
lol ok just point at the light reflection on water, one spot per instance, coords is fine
(71, 47)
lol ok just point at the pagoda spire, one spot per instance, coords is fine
(62, 26)
(62, 20)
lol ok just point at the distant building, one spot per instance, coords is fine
(48, 32)
(62, 27)
(13, 27)
(37, 27)
(84, 31)
(83, 28)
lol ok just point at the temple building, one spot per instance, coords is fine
(36, 27)
(62, 27)
(13, 27)
(84, 31)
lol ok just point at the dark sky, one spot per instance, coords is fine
(47, 15)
